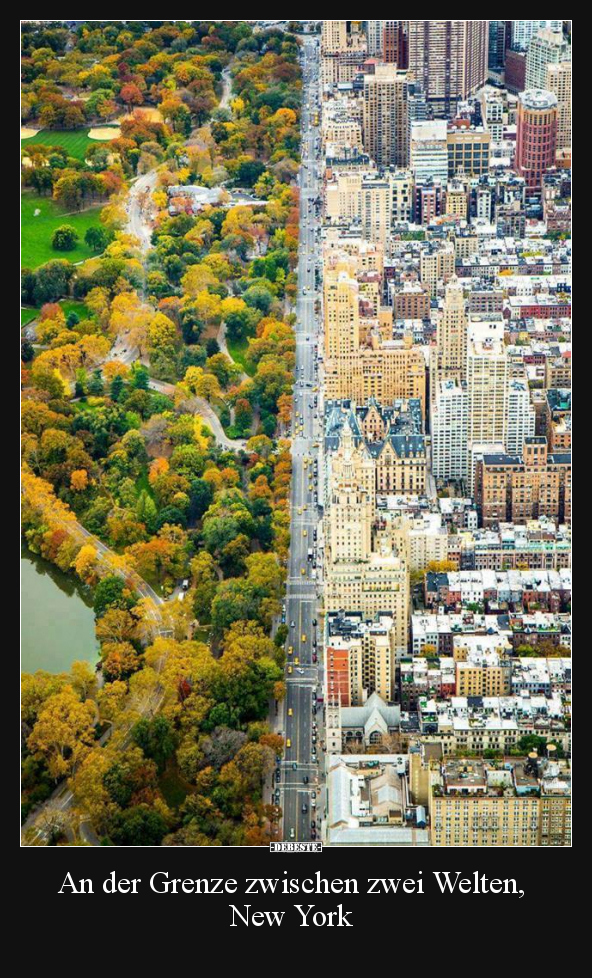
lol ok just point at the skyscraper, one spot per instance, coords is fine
(523, 31)
(374, 36)
(395, 42)
(452, 334)
(333, 36)
(536, 135)
(487, 380)
(449, 59)
(385, 116)
(558, 81)
(499, 40)
(547, 48)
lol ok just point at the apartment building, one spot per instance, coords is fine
(449, 59)
(449, 428)
(473, 803)
(384, 445)
(436, 267)
(558, 81)
(385, 116)
(451, 335)
(515, 488)
(366, 648)
(546, 48)
(375, 368)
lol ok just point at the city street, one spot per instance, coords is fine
(303, 681)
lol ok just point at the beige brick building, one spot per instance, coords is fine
(374, 368)
(451, 335)
(474, 803)
(436, 266)
(517, 488)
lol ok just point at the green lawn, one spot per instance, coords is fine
(68, 305)
(143, 483)
(36, 230)
(28, 315)
(75, 142)
(237, 350)
(80, 308)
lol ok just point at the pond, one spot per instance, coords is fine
(57, 619)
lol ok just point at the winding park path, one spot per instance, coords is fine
(206, 411)
(139, 207)
(140, 223)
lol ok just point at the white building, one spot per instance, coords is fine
(524, 30)
(449, 426)
(428, 150)
(521, 416)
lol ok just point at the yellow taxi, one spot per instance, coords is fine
(288, 742)
(305, 533)
(303, 639)
(303, 571)
(290, 670)
(290, 712)
(296, 661)
(290, 650)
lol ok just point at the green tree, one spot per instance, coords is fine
(64, 238)
(156, 739)
(139, 826)
(96, 238)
